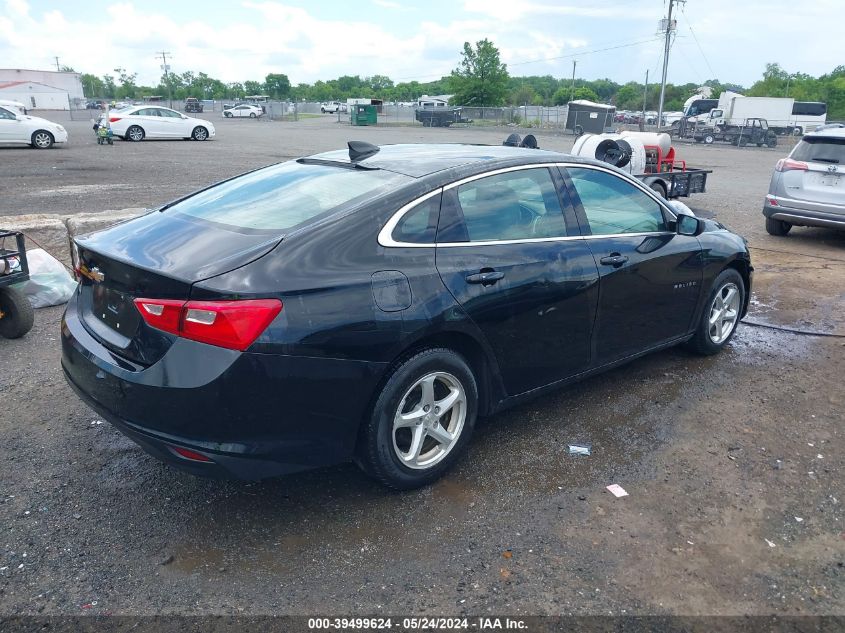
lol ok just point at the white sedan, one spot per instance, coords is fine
(244, 109)
(136, 123)
(29, 130)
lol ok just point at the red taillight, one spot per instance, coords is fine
(189, 454)
(164, 314)
(772, 202)
(229, 324)
(114, 119)
(787, 164)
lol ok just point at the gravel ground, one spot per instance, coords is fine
(733, 464)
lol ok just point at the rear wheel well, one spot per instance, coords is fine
(460, 343)
(472, 352)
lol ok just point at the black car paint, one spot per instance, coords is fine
(296, 398)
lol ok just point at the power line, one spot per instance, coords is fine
(582, 53)
(547, 59)
(703, 54)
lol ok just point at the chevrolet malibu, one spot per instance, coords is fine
(135, 123)
(371, 304)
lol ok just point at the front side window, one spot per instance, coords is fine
(514, 205)
(5, 114)
(613, 205)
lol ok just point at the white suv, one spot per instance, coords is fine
(808, 186)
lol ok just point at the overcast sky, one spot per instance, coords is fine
(237, 40)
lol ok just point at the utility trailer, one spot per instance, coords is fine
(676, 184)
(753, 131)
(439, 117)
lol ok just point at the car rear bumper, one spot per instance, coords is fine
(253, 415)
(804, 217)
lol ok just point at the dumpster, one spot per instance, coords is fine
(363, 115)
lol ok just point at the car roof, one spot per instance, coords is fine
(836, 132)
(419, 160)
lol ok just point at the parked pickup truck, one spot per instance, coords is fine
(193, 104)
(334, 106)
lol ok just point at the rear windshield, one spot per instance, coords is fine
(820, 150)
(283, 196)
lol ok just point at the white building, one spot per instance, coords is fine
(71, 83)
(35, 96)
(436, 101)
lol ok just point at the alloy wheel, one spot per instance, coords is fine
(429, 420)
(724, 312)
(200, 134)
(43, 140)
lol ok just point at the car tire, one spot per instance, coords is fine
(709, 138)
(199, 133)
(410, 454)
(659, 189)
(228, 115)
(777, 227)
(135, 134)
(42, 139)
(721, 314)
(772, 142)
(16, 313)
(252, 115)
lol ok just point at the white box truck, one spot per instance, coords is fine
(734, 110)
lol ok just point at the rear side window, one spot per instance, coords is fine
(820, 149)
(283, 196)
(419, 225)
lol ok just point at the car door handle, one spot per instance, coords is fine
(614, 259)
(485, 278)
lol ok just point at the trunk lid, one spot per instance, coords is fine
(159, 255)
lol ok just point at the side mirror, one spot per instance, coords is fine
(688, 225)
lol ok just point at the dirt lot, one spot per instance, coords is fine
(733, 464)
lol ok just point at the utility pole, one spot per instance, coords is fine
(645, 94)
(58, 68)
(668, 30)
(166, 69)
(572, 95)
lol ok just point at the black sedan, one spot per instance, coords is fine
(369, 305)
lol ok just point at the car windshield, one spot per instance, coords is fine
(282, 196)
(820, 149)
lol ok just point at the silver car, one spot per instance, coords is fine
(808, 187)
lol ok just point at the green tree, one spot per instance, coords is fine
(277, 85)
(92, 86)
(481, 79)
(586, 93)
(109, 87)
(127, 83)
(630, 96)
(253, 87)
(561, 96)
(523, 95)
